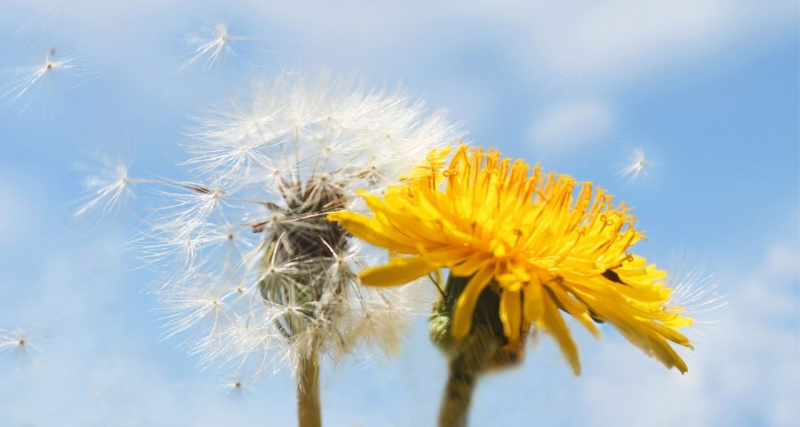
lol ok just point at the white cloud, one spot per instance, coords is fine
(571, 125)
(621, 35)
(611, 41)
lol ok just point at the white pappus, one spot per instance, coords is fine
(253, 273)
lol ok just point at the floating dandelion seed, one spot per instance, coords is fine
(254, 273)
(210, 46)
(106, 188)
(20, 343)
(637, 166)
(236, 386)
(521, 249)
(31, 80)
(695, 291)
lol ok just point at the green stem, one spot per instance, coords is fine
(308, 407)
(467, 364)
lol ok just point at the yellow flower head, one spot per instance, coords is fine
(544, 243)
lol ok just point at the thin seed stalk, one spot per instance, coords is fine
(308, 241)
(309, 413)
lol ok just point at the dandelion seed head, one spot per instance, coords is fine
(256, 274)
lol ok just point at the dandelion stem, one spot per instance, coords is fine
(484, 349)
(308, 406)
(468, 362)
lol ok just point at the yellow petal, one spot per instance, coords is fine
(401, 270)
(470, 265)
(371, 231)
(670, 334)
(534, 306)
(575, 308)
(433, 162)
(446, 256)
(510, 314)
(556, 327)
(666, 354)
(465, 306)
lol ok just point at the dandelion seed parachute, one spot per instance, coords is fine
(106, 188)
(541, 243)
(695, 291)
(211, 46)
(31, 81)
(637, 166)
(21, 343)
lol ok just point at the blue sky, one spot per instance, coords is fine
(707, 90)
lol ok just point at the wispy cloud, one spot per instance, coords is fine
(571, 125)
(611, 41)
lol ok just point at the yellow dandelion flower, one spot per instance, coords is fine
(543, 242)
